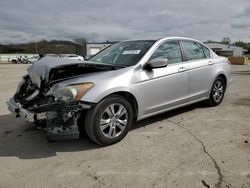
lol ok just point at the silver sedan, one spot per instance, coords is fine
(126, 82)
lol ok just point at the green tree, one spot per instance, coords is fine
(242, 44)
(226, 40)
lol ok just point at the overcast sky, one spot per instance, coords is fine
(101, 20)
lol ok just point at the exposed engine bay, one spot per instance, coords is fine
(58, 118)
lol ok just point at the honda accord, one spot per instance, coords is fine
(126, 82)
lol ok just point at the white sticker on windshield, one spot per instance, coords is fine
(131, 52)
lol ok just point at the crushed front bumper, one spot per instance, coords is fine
(17, 109)
(61, 119)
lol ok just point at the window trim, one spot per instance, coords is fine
(184, 57)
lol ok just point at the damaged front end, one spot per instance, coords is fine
(56, 110)
(59, 119)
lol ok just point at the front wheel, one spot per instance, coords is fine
(109, 121)
(217, 92)
(14, 61)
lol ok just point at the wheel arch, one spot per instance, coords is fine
(220, 74)
(97, 94)
(211, 101)
(130, 98)
(223, 76)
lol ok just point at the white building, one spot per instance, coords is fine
(93, 48)
(226, 50)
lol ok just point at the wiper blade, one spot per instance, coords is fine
(104, 64)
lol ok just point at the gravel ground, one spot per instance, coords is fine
(191, 147)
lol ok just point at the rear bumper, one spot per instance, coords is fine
(16, 109)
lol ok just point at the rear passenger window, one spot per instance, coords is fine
(206, 51)
(193, 50)
(169, 50)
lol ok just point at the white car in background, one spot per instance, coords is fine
(32, 59)
(75, 57)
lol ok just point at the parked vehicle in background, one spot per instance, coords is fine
(32, 59)
(75, 57)
(24, 59)
(15, 59)
(18, 59)
(126, 82)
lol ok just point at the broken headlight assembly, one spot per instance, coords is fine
(72, 92)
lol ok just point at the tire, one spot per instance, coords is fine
(28, 62)
(14, 61)
(217, 92)
(114, 127)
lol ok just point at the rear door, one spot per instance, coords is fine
(200, 68)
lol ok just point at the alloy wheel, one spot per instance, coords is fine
(113, 120)
(218, 91)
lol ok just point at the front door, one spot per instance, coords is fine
(163, 88)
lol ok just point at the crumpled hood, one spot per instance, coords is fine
(39, 71)
(49, 70)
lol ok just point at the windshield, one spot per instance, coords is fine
(123, 53)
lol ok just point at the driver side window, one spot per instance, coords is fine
(169, 50)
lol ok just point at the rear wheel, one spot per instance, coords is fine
(217, 92)
(109, 121)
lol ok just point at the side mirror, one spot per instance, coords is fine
(157, 63)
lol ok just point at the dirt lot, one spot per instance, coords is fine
(192, 147)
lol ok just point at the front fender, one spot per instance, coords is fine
(95, 95)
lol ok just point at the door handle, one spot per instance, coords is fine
(182, 69)
(210, 63)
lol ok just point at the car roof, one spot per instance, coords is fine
(161, 38)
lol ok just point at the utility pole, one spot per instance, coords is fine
(36, 46)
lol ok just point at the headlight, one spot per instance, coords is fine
(73, 92)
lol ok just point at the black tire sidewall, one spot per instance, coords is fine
(96, 114)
